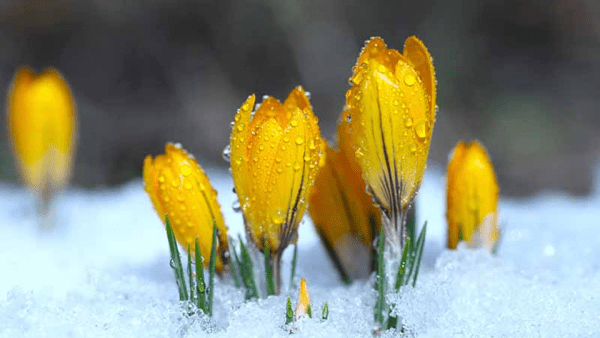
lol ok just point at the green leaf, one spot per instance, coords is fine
(309, 311)
(268, 273)
(235, 264)
(380, 283)
(212, 263)
(400, 277)
(190, 275)
(289, 313)
(200, 285)
(419, 253)
(176, 261)
(293, 271)
(325, 313)
(247, 272)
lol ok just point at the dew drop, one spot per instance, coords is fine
(186, 170)
(175, 183)
(294, 123)
(236, 205)
(299, 140)
(421, 129)
(409, 80)
(408, 122)
(161, 178)
(413, 147)
(226, 153)
(201, 186)
(349, 118)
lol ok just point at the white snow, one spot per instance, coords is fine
(103, 271)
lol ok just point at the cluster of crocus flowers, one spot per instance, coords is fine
(391, 109)
(472, 197)
(275, 153)
(179, 188)
(41, 123)
(343, 212)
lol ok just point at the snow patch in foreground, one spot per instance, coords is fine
(103, 272)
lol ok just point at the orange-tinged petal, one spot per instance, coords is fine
(178, 186)
(389, 110)
(472, 196)
(274, 158)
(41, 122)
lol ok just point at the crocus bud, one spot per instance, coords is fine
(178, 186)
(391, 109)
(41, 124)
(342, 212)
(275, 154)
(472, 197)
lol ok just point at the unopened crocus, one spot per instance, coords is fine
(343, 212)
(472, 197)
(179, 188)
(391, 110)
(275, 154)
(42, 121)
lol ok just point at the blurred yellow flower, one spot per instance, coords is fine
(178, 186)
(41, 124)
(275, 155)
(391, 109)
(342, 212)
(472, 197)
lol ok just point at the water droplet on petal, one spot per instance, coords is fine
(186, 170)
(413, 147)
(236, 206)
(421, 129)
(299, 140)
(409, 80)
(408, 122)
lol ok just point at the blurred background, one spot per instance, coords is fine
(522, 76)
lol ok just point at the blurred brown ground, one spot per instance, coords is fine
(521, 76)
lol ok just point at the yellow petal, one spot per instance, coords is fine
(390, 112)
(274, 157)
(178, 186)
(41, 123)
(472, 195)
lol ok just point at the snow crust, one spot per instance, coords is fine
(103, 271)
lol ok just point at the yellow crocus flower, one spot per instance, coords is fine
(178, 186)
(41, 123)
(275, 155)
(472, 197)
(342, 212)
(391, 109)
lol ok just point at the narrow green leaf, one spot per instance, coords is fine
(247, 272)
(176, 261)
(268, 273)
(420, 246)
(309, 311)
(289, 313)
(190, 275)
(293, 271)
(380, 283)
(325, 313)
(212, 264)
(235, 265)
(200, 285)
(411, 223)
(402, 268)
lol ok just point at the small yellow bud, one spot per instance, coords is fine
(275, 155)
(178, 186)
(472, 197)
(41, 123)
(303, 300)
(341, 210)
